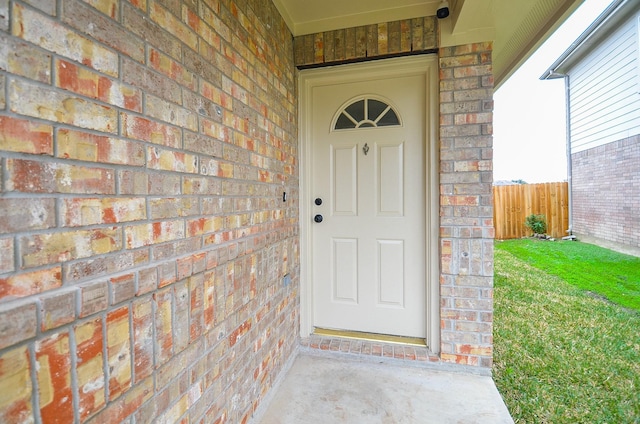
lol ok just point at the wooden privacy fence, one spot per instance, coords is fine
(513, 203)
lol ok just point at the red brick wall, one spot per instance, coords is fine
(466, 204)
(354, 44)
(606, 192)
(144, 150)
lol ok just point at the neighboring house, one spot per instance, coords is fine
(601, 70)
(164, 168)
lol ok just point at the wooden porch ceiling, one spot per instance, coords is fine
(517, 27)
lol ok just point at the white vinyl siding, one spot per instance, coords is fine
(605, 99)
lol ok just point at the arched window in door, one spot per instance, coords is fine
(366, 112)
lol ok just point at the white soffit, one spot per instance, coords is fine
(312, 16)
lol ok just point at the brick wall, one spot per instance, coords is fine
(466, 211)
(606, 192)
(386, 39)
(144, 150)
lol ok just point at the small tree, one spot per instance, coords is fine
(536, 223)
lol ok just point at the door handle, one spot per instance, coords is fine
(318, 218)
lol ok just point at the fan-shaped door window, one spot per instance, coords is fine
(366, 112)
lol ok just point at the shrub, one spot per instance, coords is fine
(536, 223)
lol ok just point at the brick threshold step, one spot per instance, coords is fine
(373, 348)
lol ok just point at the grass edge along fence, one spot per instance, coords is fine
(513, 203)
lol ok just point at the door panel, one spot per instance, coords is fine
(345, 270)
(344, 171)
(391, 273)
(390, 181)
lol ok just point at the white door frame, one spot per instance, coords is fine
(426, 65)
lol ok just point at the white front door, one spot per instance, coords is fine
(368, 188)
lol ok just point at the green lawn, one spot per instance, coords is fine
(564, 353)
(608, 273)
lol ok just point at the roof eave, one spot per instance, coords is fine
(610, 16)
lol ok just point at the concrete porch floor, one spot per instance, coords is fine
(332, 387)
